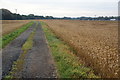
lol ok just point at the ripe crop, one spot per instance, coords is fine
(11, 25)
(6, 38)
(96, 43)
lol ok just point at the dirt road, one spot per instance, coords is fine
(38, 61)
(12, 51)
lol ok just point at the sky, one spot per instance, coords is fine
(61, 8)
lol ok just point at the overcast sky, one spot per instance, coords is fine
(61, 8)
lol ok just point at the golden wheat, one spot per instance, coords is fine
(96, 42)
(11, 25)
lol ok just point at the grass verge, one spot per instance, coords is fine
(4, 40)
(68, 65)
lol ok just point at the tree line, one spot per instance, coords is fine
(7, 15)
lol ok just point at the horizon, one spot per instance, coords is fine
(63, 8)
(63, 16)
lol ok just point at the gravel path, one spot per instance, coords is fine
(38, 61)
(12, 51)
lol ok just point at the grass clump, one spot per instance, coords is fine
(68, 65)
(29, 43)
(11, 36)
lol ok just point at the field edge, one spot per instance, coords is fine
(68, 65)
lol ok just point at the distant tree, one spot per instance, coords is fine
(66, 17)
(6, 14)
(106, 18)
(49, 17)
(31, 16)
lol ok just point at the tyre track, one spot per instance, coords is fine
(39, 62)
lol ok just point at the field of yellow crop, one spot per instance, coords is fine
(11, 25)
(96, 43)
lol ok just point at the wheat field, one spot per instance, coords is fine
(96, 43)
(11, 25)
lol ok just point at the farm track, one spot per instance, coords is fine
(12, 51)
(38, 61)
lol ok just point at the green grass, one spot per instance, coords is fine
(68, 65)
(29, 43)
(4, 40)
